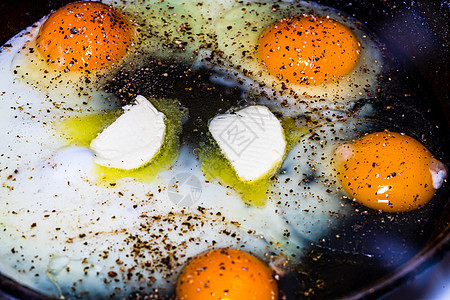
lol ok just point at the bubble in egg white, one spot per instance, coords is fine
(70, 164)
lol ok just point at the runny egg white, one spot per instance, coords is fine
(175, 29)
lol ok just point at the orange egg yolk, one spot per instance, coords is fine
(226, 274)
(84, 36)
(308, 50)
(388, 171)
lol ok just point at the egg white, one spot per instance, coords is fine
(170, 28)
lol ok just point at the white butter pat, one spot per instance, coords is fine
(251, 139)
(133, 139)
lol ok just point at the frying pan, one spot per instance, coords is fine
(417, 32)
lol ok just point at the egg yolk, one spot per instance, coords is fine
(226, 274)
(308, 50)
(389, 171)
(84, 36)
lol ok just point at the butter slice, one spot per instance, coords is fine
(133, 139)
(251, 139)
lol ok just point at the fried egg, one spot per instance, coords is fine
(67, 55)
(305, 54)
